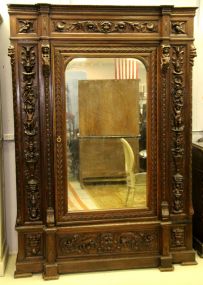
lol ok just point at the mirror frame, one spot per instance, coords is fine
(43, 39)
(77, 174)
(62, 56)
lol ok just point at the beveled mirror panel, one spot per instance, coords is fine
(106, 122)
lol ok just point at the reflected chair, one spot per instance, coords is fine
(129, 168)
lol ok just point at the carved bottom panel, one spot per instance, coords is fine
(107, 243)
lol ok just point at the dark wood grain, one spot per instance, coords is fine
(44, 38)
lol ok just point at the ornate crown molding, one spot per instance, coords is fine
(105, 26)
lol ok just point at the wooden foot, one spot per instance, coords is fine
(166, 263)
(50, 272)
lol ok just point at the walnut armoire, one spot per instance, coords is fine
(51, 239)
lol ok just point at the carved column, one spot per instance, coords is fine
(165, 50)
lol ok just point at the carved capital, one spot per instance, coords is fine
(50, 219)
(165, 57)
(11, 54)
(46, 59)
(193, 54)
(164, 211)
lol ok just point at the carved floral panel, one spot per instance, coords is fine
(108, 243)
(26, 26)
(31, 132)
(93, 26)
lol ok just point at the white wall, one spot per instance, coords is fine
(6, 91)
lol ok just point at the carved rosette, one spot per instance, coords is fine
(108, 243)
(178, 27)
(178, 126)
(25, 26)
(105, 26)
(178, 237)
(33, 245)
(31, 141)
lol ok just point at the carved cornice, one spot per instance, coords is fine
(93, 26)
(178, 148)
(31, 145)
(108, 243)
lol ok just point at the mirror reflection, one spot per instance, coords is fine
(106, 105)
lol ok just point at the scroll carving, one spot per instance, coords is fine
(106, 26)
(33, 245)
(178, 27)
(108, 243)
(26, 26)
(178, 129)
(178, 237)
(31, 151)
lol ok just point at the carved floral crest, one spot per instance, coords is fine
(106, 26)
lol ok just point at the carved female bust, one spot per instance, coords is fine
(102, 104)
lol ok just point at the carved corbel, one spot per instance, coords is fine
(50, 218)
(46, 59)
(164, 211)
(165, 58)
(11, 54)
(193, 54)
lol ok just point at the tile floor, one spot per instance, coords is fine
(182, 275)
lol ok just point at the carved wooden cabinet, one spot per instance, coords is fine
(45, 40)
(197, 192)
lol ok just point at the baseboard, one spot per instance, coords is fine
(3, 261)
